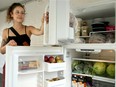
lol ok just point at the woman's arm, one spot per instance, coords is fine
(40, 31)
(37, 31)
(5, 42)
(3, 46)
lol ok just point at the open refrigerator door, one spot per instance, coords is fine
(58, 27)
(35, 67)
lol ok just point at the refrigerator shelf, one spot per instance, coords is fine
(105, 79)
(50, 67)
(94, 60)
(110, 80)
(91, 46)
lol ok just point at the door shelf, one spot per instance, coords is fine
(29, 71)
(94, 60)
(59, 83)
(105, 79)
(50, 67)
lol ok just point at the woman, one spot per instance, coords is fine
(18, 34)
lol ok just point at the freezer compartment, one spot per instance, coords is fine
(97, 24)
(57, 83)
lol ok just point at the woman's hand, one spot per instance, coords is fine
(45, 17)
(3, 46)
(12, 43)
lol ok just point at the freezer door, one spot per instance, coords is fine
(58, 27)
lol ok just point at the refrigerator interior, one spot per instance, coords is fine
(95, 23)
(94, 44)
(85, 66)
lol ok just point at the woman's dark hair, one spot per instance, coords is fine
(10, 10)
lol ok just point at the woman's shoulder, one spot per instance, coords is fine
(5, 30)
(30, 27)
(29, 30)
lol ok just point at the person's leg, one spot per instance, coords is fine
(3, 77)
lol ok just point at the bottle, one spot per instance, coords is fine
(84, 29)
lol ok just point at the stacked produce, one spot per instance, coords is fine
(99, 68)
(111, 70)
(82, 67)
(94, 68)
(53, 59)
(53, 79)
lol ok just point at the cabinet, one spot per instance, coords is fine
(91, 52)
(25, 66)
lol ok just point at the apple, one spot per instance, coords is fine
(60, 61)
(52, 59)
(57, 58)
(46, 59)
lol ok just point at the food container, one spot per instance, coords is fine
(24, 65)
(110, 28)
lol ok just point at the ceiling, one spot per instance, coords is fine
(6, 3)
(75, 5)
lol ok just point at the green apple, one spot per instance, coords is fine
(59, 61)
(57, 58)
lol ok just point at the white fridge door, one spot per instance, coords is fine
(58, 27)
(26, 67)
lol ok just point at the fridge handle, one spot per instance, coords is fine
(46, 29)
(89, 50)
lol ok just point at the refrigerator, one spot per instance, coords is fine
(81, 58)
(25, 66)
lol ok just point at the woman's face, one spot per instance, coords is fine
(18, 14)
